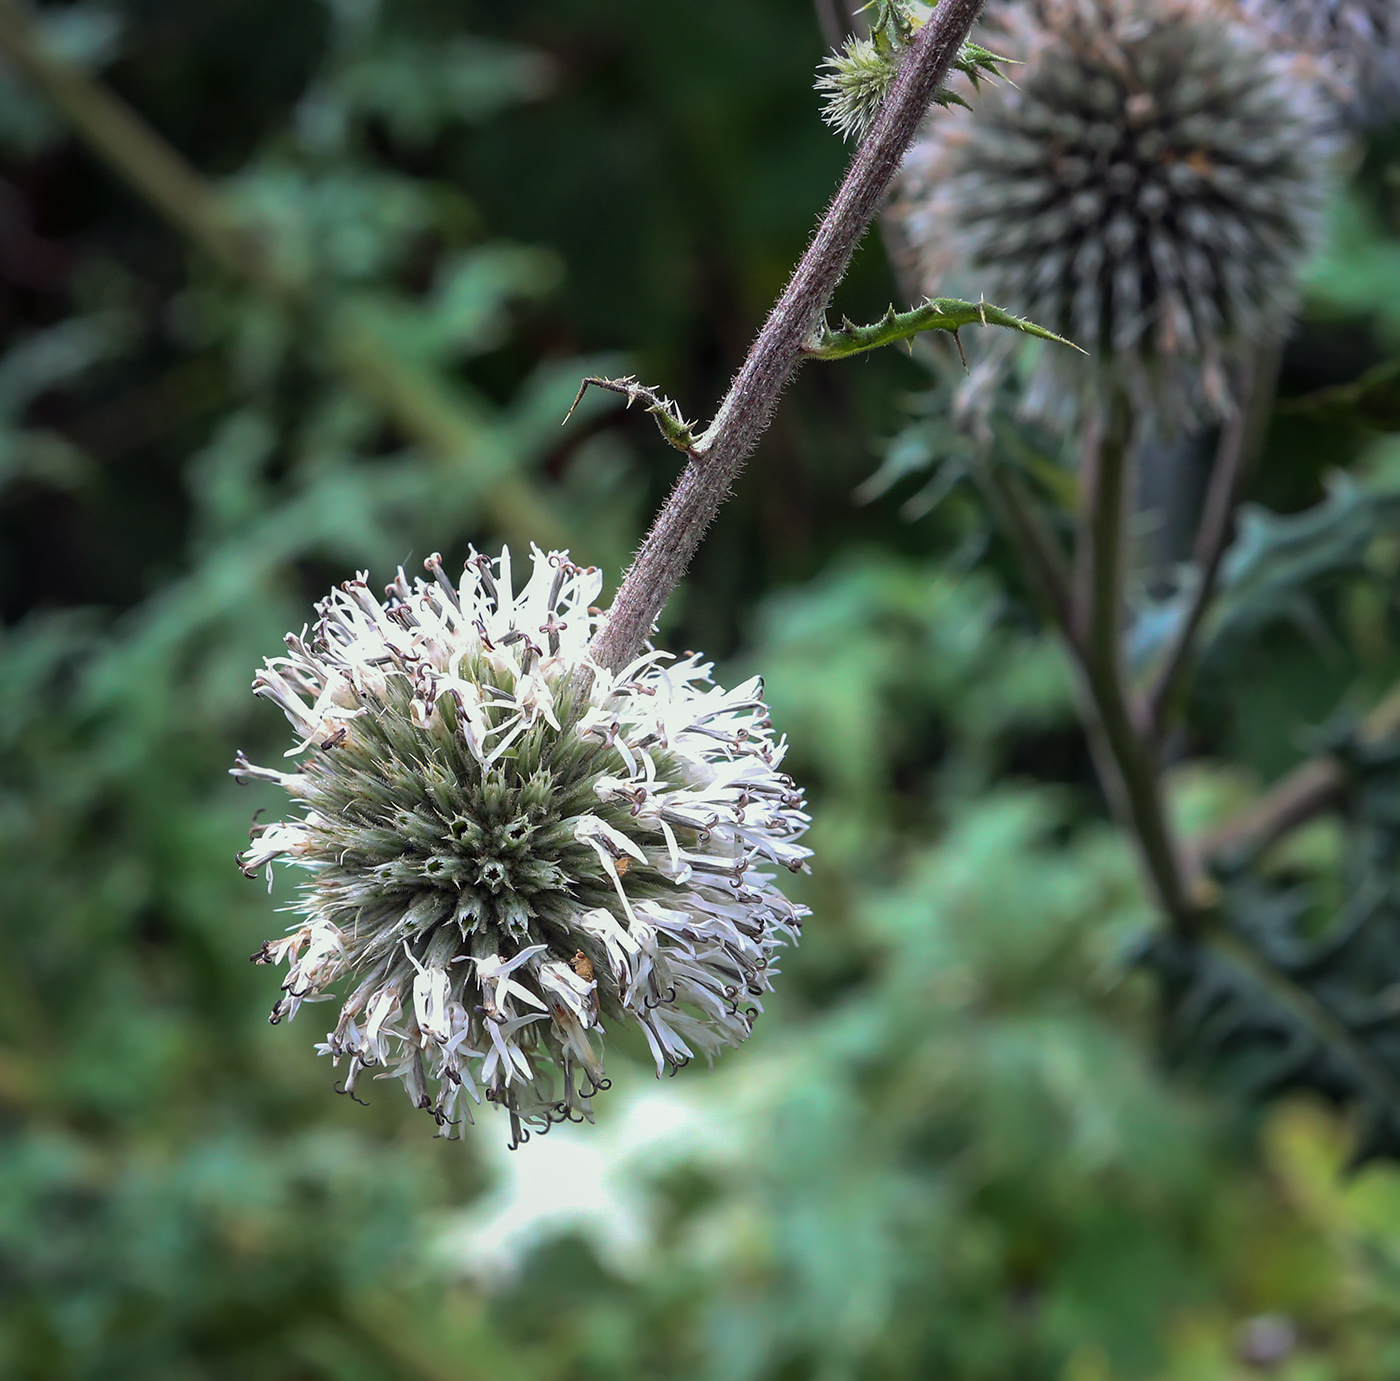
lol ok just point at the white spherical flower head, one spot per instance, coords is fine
(501, 861)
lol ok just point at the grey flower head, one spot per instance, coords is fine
(1149, 188)
(1357, 43)
(497, 868)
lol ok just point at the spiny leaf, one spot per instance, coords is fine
(1275, 562)
(1266, 1003)
(677, 431)
(936, 314)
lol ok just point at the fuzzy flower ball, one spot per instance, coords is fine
(1149, 188)
(500, 862)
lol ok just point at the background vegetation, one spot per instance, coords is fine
(952, 1149)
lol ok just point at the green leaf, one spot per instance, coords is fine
(948, 314)
(1373, 400)
(1273, 563)
(677, 431)
(1270, 1001)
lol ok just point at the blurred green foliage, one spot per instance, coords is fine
(955, 1153)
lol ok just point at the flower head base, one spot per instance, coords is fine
(504, 855)
(1148, 188)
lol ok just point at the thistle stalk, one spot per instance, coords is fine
(747, 409)
(1098, 640)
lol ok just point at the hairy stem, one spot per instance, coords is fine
(421, 405)
(1239, 443)
(747, 409)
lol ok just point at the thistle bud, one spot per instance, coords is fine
(855, 82)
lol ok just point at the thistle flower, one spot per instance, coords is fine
(856, 81)
(1149, 188)
(500, 860)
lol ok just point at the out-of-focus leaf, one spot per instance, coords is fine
(57, 356)
(1358, 273)
(40, 457)
(416, 87)
(1272, 999)
(1273, 557)
(466, 313)
(1271, 568)
(338, 222)
(86, 34)
(1373, 400)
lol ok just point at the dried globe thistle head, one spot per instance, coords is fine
(1148, 188)
(500, 860)
(856, 81)
(1356, 41)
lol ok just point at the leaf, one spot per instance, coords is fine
(1263, 1005)
(1359, 272)
(677, 431)
(1373, 400)
(948, 314)
(1273, 563)
(419, 87)
(56, 356)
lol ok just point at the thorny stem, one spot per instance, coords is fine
(1099, 550)
(1125, 751)
(422, 407)
(1049, 584)
(747, 409)
(1239, 443)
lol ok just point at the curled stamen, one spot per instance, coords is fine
(350, 1094)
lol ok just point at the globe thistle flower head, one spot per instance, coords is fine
(503, 857)
(1149, 189)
